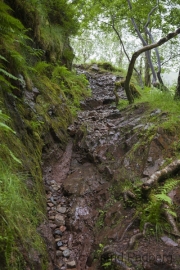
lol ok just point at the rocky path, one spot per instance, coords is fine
(81, 209)
(76, 188)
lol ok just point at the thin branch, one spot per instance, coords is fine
(170, 57)
(150, 13)
(144, 44)
(122, 44)
(152, 40)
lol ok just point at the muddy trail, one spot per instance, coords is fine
(89, 221)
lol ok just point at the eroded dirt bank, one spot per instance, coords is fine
(85, 184)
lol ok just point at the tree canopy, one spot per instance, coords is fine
(146, 21)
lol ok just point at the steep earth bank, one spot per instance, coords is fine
(87, 185)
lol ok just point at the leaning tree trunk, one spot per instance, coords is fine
(135, 56)
(147, 53)
(177, 94)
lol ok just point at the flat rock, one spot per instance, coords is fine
(168, 241)
(61, 209)
(59, 220)
(71, 264)
(66, 253)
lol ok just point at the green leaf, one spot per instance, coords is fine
(164, 198)
(5, 127)
(8, 74)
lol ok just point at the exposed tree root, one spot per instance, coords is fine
(171, 220)
(164, 173)
(129, 225)
(138, 235)
(133, 239)
(128, 194)
(122, 264)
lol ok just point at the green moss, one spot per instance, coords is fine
(133, 88)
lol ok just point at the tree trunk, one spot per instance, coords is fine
(147, 53)
(124, 50)
(177, 94)
(147, 76)
(135, 56)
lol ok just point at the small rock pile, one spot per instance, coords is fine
(57, 211)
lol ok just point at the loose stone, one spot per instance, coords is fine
(58, 232)
(58, 253)
(59, 220)
(71, 264)
(62, 228)
(61, 210)
(66, 253)
(59, 244)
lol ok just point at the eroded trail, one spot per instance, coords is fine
(81, 208)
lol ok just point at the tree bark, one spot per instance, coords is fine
(147, 53)
(135, 56)
(177, 94)
(122, 44)
(147, 76)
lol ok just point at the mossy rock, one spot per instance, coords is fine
(133, 88)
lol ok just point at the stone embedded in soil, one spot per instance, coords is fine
(71, 264)
(50, 204)
(168, 241)
(58, 232)
(61, 209)
(59, 220)
(63, 248)
(58, 253)
(59, 244)
(52, 225)
(62, 228)
(66, 253)
(57, 239)
(51, 217)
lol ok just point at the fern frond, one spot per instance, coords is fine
(5, 127)
(2, 79)
(4, 117)
(8, 74)
(171, 212)
(163, 198)
(3, 58)
(41, 67)
(169, 185)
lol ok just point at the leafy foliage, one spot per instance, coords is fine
(152, 211)
(75, 87)
(18, 210)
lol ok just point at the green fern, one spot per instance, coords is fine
(3, 58)
(152, 211)
(169, 185)
(8, 74)
(5, 127)
(41, 67)
(163, 198)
